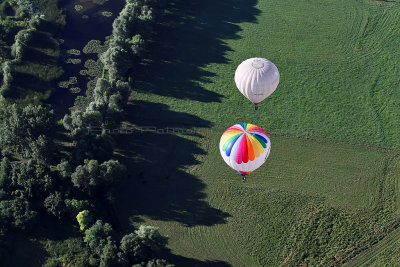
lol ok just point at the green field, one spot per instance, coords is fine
(330, 187)
(385, 253)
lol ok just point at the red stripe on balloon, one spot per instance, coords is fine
(239, 152)
(245, 149)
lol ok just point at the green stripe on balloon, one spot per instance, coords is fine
(260, 140)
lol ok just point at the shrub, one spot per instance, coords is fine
(94, 47)
(78, 7)
(106, 13)
(75, 90)
(73, 61)
(84, 219)
(75, 52)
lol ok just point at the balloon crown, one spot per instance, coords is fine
(257, 64)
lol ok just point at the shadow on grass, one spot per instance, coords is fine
(158, 185)
(43, 40)
(180, 261)
(25, 83)
(187, 40)
(23, 248)
(40, 57)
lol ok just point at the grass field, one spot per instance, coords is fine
(385, 253)
(330, 187)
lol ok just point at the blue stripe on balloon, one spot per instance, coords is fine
(228, 151)
(261, 137)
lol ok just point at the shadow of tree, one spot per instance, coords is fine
(180, 261)
(145, 113)
(37, 56)
(23, 248)
(159, 186)
(189, 38)
(43, 40)
(24, 83)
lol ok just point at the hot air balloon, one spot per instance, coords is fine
(256, 79)
(244, 147)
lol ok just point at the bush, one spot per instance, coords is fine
(94, 68)
(73, 61)
(94, 47)
(66, 84)
(74, 52)
(75, 90)
(106, 13)
(78, 7)
(84, 219)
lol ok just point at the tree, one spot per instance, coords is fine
(112, 171)
(117, 61)
(22, 42)
(64, 169)
(158, 263)
(74, 206)
(54, 204)
(8, 78)
(17, 213)
(134, 18)
(137, 45)
(108, 255)
(37, 21)
(5, 169)
(143, 244)
(93, 175)
(39, 149)
(24, 130)
(152, 238)
(32, 179)
(98, 237)
(84, 219)
(91, 145)
(86, 176)
(26, 8)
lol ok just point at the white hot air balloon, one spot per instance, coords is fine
(256, 79)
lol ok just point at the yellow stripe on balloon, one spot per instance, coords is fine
(228, 135)
(251, 127)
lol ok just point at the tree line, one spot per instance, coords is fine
(35, 184)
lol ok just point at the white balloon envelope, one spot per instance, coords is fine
(256, 79)
(244, 147)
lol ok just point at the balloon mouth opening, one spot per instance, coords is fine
(257, 64)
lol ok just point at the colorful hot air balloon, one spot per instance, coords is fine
(244, 147)
(256, 79)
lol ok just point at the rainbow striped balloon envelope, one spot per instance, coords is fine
(245, 147)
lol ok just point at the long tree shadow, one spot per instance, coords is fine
(187, 40)
(158, 185)
(181, 261)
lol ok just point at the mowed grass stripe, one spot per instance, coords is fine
(367, 257)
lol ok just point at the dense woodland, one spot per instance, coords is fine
(36, 180)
